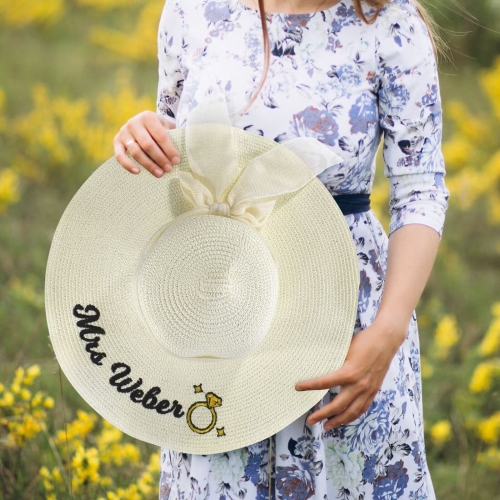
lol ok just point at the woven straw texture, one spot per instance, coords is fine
(294, 283)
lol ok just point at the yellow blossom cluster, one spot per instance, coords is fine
(472, 153)
(50, 479)
(98, 454)
(75, 432)
(57, 135)
(9, 179)
(22, 413)
(140, 43)
(20, 13)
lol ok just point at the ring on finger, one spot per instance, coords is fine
(129, 142)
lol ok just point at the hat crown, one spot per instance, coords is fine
(208, 288)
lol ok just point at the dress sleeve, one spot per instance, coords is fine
(410, 116)
(171, 71)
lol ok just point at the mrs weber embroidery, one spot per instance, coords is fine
(91, 334)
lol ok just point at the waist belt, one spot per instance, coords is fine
(353, 203)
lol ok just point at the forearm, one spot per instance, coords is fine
(411, 255)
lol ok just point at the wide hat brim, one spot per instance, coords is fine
(91, 266)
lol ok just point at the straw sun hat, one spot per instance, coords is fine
(184, 309)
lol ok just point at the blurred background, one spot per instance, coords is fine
(72, 72)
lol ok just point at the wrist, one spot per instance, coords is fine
(392, 328)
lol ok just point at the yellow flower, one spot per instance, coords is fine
(489, 429)
(85, 465)
(44, 472)
(56, 474)
(9, 188)
(446, 336)
(491, 341)
(8, 399)
(154, 463)
(37, 399)
(25, 394)
(482, 377)
(109, 434)
(31, 374)
(77, 430)
(441, 432)
(48, 402)
(47, 485)
(144, 483)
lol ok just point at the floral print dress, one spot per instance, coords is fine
(348, 84)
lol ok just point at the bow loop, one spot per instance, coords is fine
(213, 159)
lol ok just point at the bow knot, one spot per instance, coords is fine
(219, 208)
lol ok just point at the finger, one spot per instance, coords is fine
(123, 159)
(327, 381)
(158, 130)
(358, 407)
(341, 401)
(136, 151)
(155, 141)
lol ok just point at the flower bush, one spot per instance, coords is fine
(90, 458)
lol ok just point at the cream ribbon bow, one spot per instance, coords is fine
(212, 156)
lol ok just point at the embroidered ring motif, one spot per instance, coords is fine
(211, 402)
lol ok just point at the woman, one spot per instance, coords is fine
(347, 73)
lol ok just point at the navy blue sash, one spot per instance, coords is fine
(353, 203)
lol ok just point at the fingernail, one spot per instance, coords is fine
(158, 171)
(176, 159)
(167, 166)
(135, 170)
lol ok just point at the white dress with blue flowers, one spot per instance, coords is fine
(348, 84)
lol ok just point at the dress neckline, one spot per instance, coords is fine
(286, 14)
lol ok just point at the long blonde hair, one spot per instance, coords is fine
(437, 41)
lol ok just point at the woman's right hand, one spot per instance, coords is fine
(152, 148)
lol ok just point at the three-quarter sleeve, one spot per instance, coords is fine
(171, 73)
(410, 115)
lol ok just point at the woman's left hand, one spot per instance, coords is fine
(360, 377)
